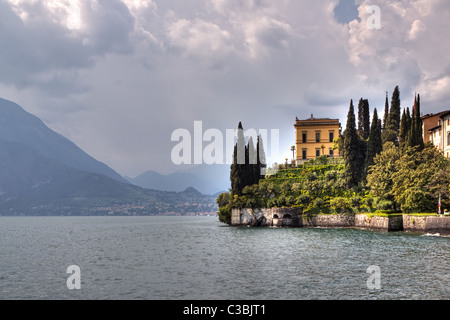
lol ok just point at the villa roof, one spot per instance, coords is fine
(434, 128)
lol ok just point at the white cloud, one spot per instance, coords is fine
(198, 37)
(137, 69)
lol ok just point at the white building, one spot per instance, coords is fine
(440, 134)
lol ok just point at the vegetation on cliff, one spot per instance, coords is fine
(386, 169)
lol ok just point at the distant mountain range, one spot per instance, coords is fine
(43, 173)
(208, 179)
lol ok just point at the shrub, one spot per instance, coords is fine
(369, 202)
(303, 200)
(225, 214)
(319, 203)
(340, 204)
(385, 205)
(355, 201)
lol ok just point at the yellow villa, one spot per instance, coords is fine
(314, 138)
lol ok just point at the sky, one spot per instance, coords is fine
(118, 77)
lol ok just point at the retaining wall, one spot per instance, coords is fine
(293, 217)
(428, 224)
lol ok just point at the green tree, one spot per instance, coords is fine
(416, 126)
(392, 127)
(380, 176)
(237, 172)
(386, 112)
(374, 143)
(419, 179)
(363, 118)
(224, 201)
(354, 153)
(405, 130)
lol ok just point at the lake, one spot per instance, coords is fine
(175, 258)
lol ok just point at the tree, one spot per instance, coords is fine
(374, 143)
(363, 118)
(354, 155)
(420, 177)
(380, 176)
(405, 130)
(417, 137)
(237, 173)
(386, 112)
(224, 203)
(261, 165)
(392, 126)
(248, 163)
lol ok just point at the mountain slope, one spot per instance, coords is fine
(17, 125)
(33, 184)
(43, 173)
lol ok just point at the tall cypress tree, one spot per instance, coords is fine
(418, 124)
(363, 118)
(405, 128)
(353, 158)
(237, 172)
(392, 126)
(248, 161)
(261, 159)
(386, 111)
(395, 111)
(374, 144)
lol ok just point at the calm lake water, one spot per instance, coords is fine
(200, 258)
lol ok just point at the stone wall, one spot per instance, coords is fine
(390, 223)
(329, 220)
(292, 217)
(274, 217)
(429, 224)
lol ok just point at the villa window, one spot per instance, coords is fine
(448, 139)
(304, 154)
(317, 152)
(304, 137)
(331, 152)
(317, 136)
(331, 136)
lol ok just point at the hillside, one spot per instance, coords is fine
(17, 125)
(37, 177)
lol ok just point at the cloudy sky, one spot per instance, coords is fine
(117, 77)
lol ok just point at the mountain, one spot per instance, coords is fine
(206, 179)
(39, 180)
(17, 125)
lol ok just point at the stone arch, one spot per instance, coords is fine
(287, 216)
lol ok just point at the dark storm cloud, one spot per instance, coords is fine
(40, 52)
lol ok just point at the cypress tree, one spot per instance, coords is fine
(418, 124)
(261, 159)
(395, 112)
(405, 129)
(392, 126)
(353, 158)
(237, 173)
(386, 111)
(363, 118)
(374, 144)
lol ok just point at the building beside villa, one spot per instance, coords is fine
(436, 129)
(315, 137)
